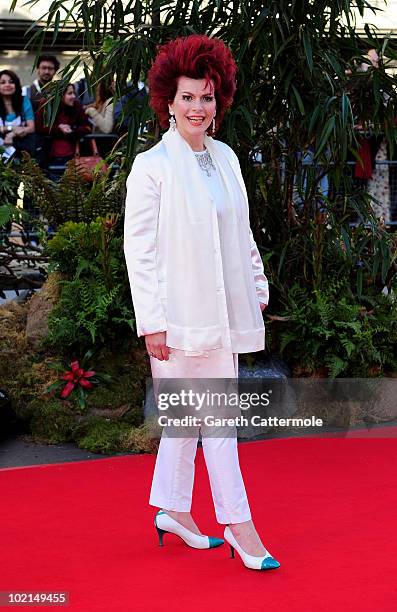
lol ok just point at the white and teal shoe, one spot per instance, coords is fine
(250, 561)
(164, 523)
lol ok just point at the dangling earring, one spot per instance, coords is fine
(172, 122)
(213, 126)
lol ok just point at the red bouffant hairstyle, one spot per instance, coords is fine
(197, 57)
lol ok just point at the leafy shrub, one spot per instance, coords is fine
(72, 198)
(331, 330)
(95, 306)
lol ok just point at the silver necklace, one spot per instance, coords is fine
(205, 161)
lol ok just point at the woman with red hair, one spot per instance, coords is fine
(197, 284)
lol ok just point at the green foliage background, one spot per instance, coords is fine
(299, 91)
(95, 308)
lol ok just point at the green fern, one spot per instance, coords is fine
(72, 198)
(336, 365)
(95, 306)
(339, 333)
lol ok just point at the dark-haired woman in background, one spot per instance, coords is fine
(16, 116)
(71, 123)
(101, 111)
(101, 114)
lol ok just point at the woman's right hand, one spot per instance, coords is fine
(65, 128)
(19, 131)
(156, 346)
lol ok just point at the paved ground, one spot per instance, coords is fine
(11, 296)
(19, 450)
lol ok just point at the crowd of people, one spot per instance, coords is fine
(24, 115)
(25, 126)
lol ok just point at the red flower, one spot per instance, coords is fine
(76, 376)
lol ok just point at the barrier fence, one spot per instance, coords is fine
(385, 170)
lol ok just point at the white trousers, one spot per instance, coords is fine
(173, 476)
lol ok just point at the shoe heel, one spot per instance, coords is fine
(161, 532)
(231, 552)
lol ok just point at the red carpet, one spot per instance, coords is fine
(325, 507)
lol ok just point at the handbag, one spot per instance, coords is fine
(88, 165)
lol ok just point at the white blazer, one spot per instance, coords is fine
(179, 283)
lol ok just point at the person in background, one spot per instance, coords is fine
(71, 123)
(135, 95)
(83, 93)
(373, 167)
(378, 183)
(17, 123)
(47, 66)
(101, 111)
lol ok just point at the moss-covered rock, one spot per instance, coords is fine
(101, 435)
(39, 307)
(52, 420)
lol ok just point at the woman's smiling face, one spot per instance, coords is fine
(69, 96)
(7, 85)
(194, 106)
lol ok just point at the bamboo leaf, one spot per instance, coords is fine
(385, 268)
(282, 257)
(313, 119)
(298, 99)
(328, 127)
(56, 26)
(346, 240)
(308, 49)
(344, 110)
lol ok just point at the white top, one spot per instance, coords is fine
(103, 120)
(218, 193)
(178, 263)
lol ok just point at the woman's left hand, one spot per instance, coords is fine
(9, 138)
(19, 131)
(263, 306)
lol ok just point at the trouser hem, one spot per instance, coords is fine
(225, 520)
(167, 505)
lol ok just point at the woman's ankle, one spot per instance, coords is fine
(238, 527)
(176, 513)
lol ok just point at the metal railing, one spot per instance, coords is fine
(385, 170)
(104, 139)
(57, 170)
